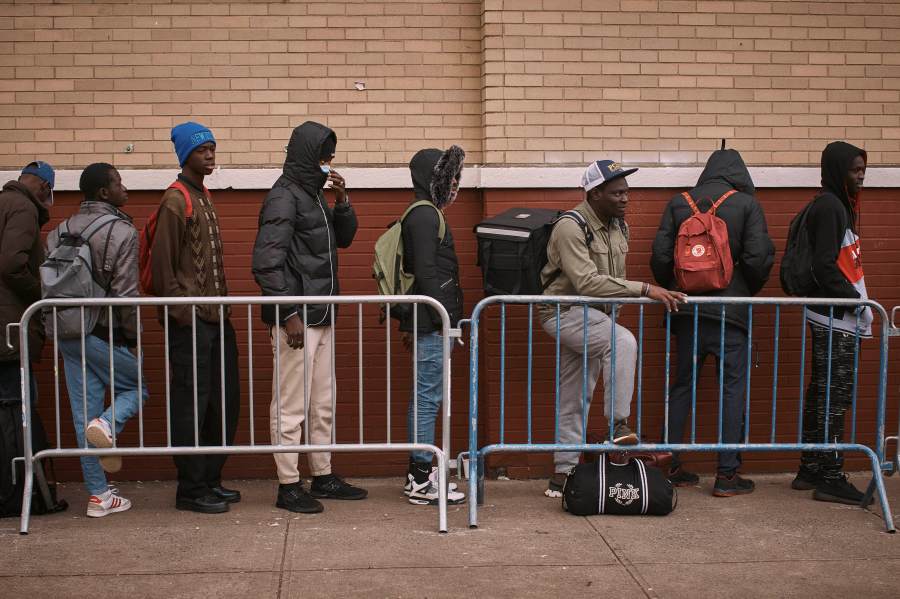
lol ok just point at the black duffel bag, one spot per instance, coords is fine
(605, 487)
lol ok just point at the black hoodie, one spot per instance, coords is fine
(432, 262)
(831, 224)
(296, 246)
(748, 237)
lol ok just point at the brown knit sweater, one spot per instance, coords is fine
(186, 258)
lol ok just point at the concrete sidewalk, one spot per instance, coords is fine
(773, 543)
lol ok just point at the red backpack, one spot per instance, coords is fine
(702, 254)
(148, 233)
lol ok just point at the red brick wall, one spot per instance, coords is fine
(238, 212)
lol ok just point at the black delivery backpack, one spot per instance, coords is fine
(512, 250)
(605, 487)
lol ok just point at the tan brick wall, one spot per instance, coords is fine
(647, 81)
(526, 81)
(80, 80)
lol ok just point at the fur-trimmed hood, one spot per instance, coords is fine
(433, 173)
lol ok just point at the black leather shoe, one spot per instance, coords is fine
(226, 495)
(208, 504)
(293, 497)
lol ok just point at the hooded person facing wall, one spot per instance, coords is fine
(296, 254)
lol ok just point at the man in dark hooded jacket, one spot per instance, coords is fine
(433, 263)
(296, 254)
(838, 272)
(753, 255)
(24, 206)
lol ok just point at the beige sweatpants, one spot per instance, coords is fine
(288, 428)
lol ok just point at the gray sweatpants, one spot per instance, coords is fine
(571, 374)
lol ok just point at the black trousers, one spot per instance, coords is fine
(197, 473)
(828, 464)
(734, 387)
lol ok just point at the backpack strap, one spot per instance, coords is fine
(588, 238)
(442, 225)
(96, 224)
(690, 202)
(188, 203)
(724, 197)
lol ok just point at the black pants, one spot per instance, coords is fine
(197, 473)
(843, 350)
(734, 387)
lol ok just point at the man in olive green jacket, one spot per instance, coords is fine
(586, 256)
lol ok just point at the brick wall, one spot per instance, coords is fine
(79, 81)
(526, 81)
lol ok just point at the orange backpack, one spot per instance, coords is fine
(702, 254)
(148, 233)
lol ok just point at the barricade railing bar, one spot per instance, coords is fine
(695, 311)
(145, 447)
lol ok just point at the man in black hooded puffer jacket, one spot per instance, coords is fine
(296, 254)
(433, 263)
(753, 254)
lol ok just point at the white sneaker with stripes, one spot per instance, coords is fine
(107, 503)
(433, 477)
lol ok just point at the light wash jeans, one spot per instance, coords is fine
(420, 423)
(96, 381)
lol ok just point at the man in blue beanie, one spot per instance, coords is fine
(186, 260)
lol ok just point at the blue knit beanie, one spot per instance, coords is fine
(187, 136)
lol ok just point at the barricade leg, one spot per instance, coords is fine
(443, 476)
(878, 483)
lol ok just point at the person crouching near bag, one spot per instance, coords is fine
(113, 247)
(586, 256)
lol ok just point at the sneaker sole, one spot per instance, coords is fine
(98, 438)
(314, 510)
(828, 497)
(327, 496)
(190, 507)
(684, 483)
(631, 439)
(451, 486)
(732, 492)
(112, 510)
(417, 501)
(802, 485)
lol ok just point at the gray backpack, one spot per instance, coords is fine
(68, 272)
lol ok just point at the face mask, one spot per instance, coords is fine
(326, 168)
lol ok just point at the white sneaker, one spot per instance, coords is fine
(433, 477)
(427, 493)
(99, 434)
(107, 503)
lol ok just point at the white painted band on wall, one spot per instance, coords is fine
(475, 177)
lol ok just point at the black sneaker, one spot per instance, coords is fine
(839, 490)
(729, 486)
(293, 497)
(805, 480)
(622, 435)
(555, 485)
(680, 477)
(330, 486)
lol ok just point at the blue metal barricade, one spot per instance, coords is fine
(145, 444)
(645, 343)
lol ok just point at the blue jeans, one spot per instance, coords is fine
(420, 426)
(96, 360)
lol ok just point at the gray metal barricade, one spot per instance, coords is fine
(440, 449)
(892, 464)
(478, 449)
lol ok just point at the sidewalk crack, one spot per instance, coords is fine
(626, 563)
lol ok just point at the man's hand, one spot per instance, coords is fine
(670, 299)
(293, 328)
(339, 186)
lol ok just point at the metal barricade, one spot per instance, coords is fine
(892, 464)
(643, 339)
(144, 448)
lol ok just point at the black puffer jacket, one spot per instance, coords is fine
(296, 247)
(748, 237)
(432, 262)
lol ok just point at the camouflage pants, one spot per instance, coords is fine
(828, 464)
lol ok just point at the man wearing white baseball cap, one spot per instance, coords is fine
(586, 256)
